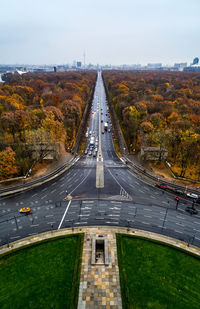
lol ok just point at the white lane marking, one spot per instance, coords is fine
(196, 230)
(33, 195)
(49, 216)
(14, 237)
(51, 222)
(62, 185)
(81, 222)
(181, 224)
(64, 214)
(178, 231)
(44, 189)
(80, 183)
(43, 197)
(113, 215)
(33, 225)
(196, 222)
(86, 215)
(53, 191)
(61, 192)
(112, 222)
(147, 209)
(32, 234)
(147, 216)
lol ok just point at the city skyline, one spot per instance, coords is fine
(135, 32)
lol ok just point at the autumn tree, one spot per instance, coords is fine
(8, 167)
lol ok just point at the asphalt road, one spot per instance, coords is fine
(125, 200)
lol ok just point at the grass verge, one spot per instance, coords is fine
(155, 275)
(43, 275)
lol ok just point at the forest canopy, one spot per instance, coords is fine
(159, 109)
(40, 109)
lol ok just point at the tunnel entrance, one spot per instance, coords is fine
(100, 254)
(99, 251)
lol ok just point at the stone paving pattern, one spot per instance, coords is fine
(99, 284)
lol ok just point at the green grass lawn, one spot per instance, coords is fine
(44, 275)
(154, 275)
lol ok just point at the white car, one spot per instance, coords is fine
(192, 195)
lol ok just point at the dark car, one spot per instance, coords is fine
(198, 200)
(180, 192)
(191, 210)
(161, 186)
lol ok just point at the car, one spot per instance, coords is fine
(101, 120)
(192, 195)
(25, 210)
(102, 132)
(109, 130)
(177, 198)
(85, 152)
(161, 186)
(94, 154)
(191, 210)
(198, 200)
(177, 191)
(90, 153)
(86, 134)
(90, 132)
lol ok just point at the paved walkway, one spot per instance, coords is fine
(99, 284)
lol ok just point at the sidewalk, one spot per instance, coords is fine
(135, 159)
(64, 158)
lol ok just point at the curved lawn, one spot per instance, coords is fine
(43, 275)
(154, 275)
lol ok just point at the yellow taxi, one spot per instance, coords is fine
(25, 210)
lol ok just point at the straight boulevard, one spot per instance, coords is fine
(119, 198)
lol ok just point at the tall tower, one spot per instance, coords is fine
(84, 55)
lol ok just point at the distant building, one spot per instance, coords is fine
(78, 64)
(54, 68)
(180, 66)
(194, 67)
(153, 153)
(154, 65)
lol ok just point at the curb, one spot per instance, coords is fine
(128, 231)
(31, 186)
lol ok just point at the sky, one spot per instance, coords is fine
(108, 31)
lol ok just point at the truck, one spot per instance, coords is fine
(105, 126)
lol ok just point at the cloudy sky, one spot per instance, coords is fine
(109, 31)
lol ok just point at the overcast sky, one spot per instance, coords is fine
(109, 31)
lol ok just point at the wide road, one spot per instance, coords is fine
(104, 191)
